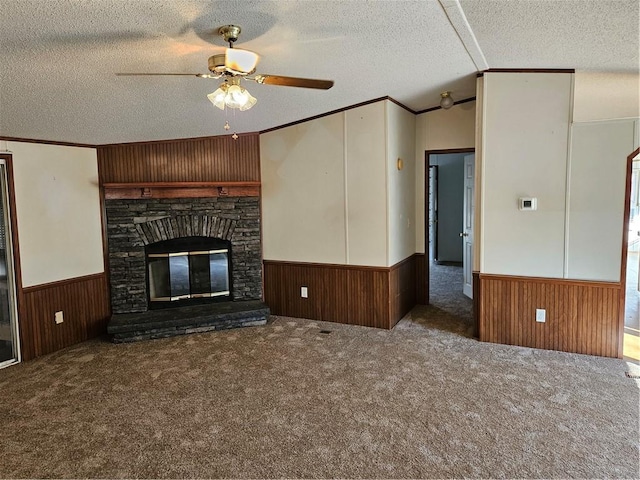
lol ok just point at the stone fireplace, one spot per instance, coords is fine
(166, 252)
(183, 233)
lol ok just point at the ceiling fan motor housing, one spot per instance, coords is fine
(217, 63)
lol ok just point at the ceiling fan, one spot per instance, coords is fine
(235, 65)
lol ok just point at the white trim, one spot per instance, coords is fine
(610, 120)
(345, 187)
(8, 363)
(483, 175)
(387, 205)
(607, 120)
(460, 24)
(567, 189)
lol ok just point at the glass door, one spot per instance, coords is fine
(9, 345)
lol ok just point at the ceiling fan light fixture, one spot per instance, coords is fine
(219, 96)
(251, 101)
(241, 61)
(446, 101)
(232, 96)
(236, 97)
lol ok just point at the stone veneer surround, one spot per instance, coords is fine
(133, 224)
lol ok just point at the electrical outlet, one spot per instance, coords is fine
(541, 315)
(303, 292)
(59, 317)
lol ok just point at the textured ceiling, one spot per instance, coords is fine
(59, 57)
(582, 34)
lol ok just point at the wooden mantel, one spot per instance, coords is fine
(116, 191)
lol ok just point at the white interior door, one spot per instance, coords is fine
(467, 232)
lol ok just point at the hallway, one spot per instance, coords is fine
(445, 295)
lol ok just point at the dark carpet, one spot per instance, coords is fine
(424, 400)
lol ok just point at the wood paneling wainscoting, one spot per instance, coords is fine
(210, 159)
(402, 289)
(475, 285)
(581, 316)
(422, 279)
(357, 295)
(84, 302)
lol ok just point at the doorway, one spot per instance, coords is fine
(9, 339)
(449, 213)
(631, 335)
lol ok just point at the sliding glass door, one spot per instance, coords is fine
(9, 346)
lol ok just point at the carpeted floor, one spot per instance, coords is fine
(424, 400)
(447, 299)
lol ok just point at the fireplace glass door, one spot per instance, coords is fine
(188, 276)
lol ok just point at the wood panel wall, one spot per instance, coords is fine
(476, 302)
(422, 279)
(367, 296)
(581, 317)
(210, 159)
(402, 289)
(84, 302)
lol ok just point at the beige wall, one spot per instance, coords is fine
(605, 96)
(366, 193)
(401, 133)
(596, 198)
(445, 129)
(576, 232)
(303, 192)
(439, 130)
(601, 143)
(327, 187)
(526, 119)
(58, 212)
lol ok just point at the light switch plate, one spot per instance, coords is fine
(59, 317)
(303, 292)
(541, 315)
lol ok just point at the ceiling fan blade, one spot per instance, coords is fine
(200, 75)
(294, 82)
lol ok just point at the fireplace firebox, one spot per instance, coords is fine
(188, 271)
